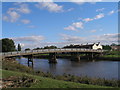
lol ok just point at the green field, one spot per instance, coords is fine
(43, 82)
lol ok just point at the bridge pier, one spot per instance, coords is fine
(52, 58)
(90, 55)
(30, 59)
(75, 56)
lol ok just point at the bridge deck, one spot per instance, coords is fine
(20, 53)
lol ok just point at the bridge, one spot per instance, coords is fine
(75, 53)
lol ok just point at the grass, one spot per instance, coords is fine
(43, 82)
(112, 54)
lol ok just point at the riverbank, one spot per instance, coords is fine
(43, 82)
(12, 65)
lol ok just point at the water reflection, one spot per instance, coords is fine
(92, 68)
(52, 67)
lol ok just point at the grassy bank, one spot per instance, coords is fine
(43, 82)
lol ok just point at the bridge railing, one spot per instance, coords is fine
(48, 50)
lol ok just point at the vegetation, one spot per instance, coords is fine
(17, 81)
(112, 54)
(113, 44)
(106, 47)
(37, 48)
(43, 82)
(69, 46)
(12, 64)
(27, 49)
(50, 47)
(7, 45)
(19, 47)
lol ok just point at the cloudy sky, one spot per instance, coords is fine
(37, 24)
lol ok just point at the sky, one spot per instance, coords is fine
(38, 24)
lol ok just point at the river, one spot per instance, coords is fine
(98, 69)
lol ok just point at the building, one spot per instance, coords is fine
(117, 48)
(95, 46)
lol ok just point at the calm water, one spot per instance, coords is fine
(102, 69)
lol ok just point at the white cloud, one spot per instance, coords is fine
(107, 38)
(70, 9)
(24, 9)
(78, 25)
(104, 39)
(111, 12)
(67, 40)
(50, 6)
(71, 38)
(99, 10)
(87, 19)
(79, 2)
(101, 15)
(12, 16)
(75, 26)
(5, 18)
(29, 39)
(72, 28)
(25, 21)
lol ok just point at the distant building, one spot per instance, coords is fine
(117, 48)
(90, 46)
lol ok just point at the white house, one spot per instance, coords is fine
(92, 46)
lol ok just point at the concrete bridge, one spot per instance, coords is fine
(75, 53)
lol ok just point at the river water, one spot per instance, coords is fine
(98, 69)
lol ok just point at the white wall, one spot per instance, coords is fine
(97, 47)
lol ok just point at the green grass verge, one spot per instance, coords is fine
(43, 82)
(112, 56)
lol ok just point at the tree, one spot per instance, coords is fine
(50, 47)
(70, 46)
(27, 49)
(19, 47)
(37, 48)
(7, 45)
(113, 44)
(106, 47)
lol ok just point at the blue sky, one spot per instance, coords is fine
(60, 23)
